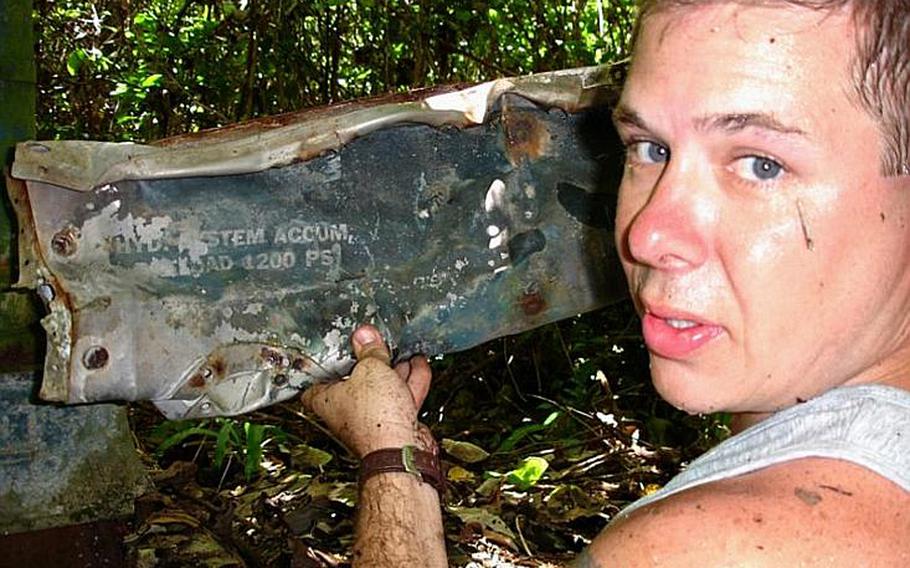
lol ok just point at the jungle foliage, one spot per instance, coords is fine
(147, 69)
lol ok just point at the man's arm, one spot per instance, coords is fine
(399, 522)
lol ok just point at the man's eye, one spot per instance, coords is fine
(649, 152)
(757, 168)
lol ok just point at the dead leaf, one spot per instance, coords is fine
(464, 451)
(457, 474)
(172, 516)
(482, 517)
(303, 456)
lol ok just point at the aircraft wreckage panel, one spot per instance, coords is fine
(218, 294)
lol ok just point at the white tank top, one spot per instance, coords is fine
(868, 425)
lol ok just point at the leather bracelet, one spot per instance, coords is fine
(424, 465)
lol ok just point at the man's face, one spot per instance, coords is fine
(767, 255)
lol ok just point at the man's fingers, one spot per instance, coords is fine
(403, 369)
(419, 379)
(369, 344)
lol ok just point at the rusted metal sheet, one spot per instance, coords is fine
(219, 273)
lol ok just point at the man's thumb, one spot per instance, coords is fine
(369, 344)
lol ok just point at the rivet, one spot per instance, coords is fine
(206, 407)
(280, 380)
(64, 242)
(95, 357)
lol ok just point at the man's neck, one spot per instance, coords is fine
(743, 420)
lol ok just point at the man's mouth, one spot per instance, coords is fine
(675, 336)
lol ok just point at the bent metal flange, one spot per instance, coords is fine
(220, 272)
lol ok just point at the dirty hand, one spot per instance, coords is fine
(377, 406)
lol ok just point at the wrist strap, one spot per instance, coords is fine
(408, 459)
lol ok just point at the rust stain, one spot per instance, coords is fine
(27, 241)
(197, 381)
(271, 357)
(300, 364)
(218, 367)
(532, 303)
(526, 137)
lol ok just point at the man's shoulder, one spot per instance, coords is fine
(808, 512)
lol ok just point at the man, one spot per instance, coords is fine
(764, 227)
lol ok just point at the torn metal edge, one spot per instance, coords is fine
(84, 165)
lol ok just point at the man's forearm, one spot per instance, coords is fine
(399, 523)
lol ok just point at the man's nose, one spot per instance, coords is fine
(669, 231)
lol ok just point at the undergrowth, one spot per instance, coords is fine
(544, 437)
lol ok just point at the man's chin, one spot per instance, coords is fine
(686, 390)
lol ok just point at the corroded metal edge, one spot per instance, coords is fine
(58, 322)
(83, 165)
(32, 274)
(29, 254)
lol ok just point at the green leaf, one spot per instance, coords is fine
(255, 433)
(153, 80)
(524, 431)
(464, 451)
(74, 61)
(145, 21)
(223, 441)
(120, 90)
(182, 435)
(528, 473)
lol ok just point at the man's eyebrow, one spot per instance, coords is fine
(738, 121)
(623, 115)
(729, 122)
